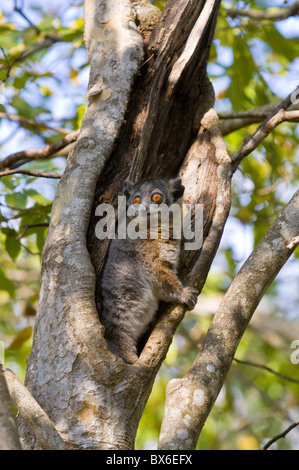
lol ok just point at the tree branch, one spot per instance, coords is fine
(26, 227)
(239, 120)
(189, 400)
(278, 116)
(9, 439)
(38, 421)
(281, 435)
(19, 158)
(38, 174)
(268, 369)
(47, 42)
(235, 121)
(19, 9)
(276, 15)
(25, 122)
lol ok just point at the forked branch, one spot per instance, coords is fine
(189, 400)
(280, 436)
(277, 117)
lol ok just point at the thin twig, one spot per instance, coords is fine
(277, 15)
(20, 11)
(29, 251)
(31, 122)
(146, 61)
(245, 25)
(280, 436)
(21, 212)
(242, 114)
(49, 40)
(267, 126)
(39, 174)
(268, 369)
(234, 121)
(26, 227)
(19, 158)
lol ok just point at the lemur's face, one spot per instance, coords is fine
(153, 192)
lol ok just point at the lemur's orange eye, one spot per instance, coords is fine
(156, 197)
(137, 200)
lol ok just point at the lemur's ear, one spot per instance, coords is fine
(176, 188)
(127, 188)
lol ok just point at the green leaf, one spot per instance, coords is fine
(25, 109)
(231, 263)
(20, 81)
(160, 4)
(13, 246)
(46, 25)
(16, 200)
(21, 337)
(9, 36)
(285, 49)
(242, 72)
(35, 215)
(10, 181)
(80, 114)
(41, 234)
(6, 284)
(37, 197)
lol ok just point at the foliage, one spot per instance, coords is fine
(44, 68)
(41, 66)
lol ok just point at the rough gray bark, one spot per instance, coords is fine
(9, 439)
(33, 414)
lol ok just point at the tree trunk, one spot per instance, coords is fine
(150, 113)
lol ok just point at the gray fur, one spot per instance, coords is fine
(139, 274)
